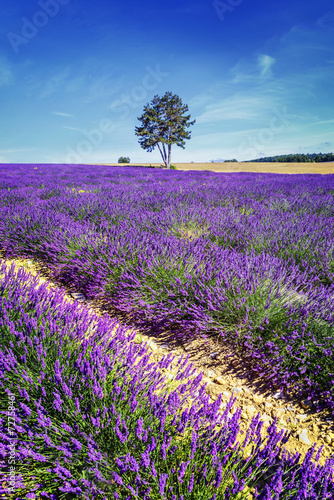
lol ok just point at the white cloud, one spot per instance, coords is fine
(238, 107)
(265, 62)
(324, 121)
(72, 128)
(314, 124)
(61, 114)
(247, 70)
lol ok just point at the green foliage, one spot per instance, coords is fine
(164, 123)
(298, 158)
(124, 159)
(173, 167)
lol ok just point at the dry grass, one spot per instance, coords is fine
(275, 168)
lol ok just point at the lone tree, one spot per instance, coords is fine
(164, 123)
(124, 159)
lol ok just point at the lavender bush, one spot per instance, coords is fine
(94, 418)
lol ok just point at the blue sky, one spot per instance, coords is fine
(75, 75)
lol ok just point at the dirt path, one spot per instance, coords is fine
(226, 373)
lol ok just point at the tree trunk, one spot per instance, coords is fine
(169, 155)
(163, 154)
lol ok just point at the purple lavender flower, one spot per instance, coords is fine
(145, 459)
(191, 483)
(182, 471)
(154, 472)
(77, 444)
(26, 409)
(162, 483)
(139, 429)
(117, 479)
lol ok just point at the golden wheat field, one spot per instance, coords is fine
(275, 168)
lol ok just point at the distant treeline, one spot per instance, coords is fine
(302, 158)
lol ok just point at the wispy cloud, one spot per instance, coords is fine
(323, 122)
(16, 150)
(252, 69)
(265, 62)
(55, 82)
(6, 74)
(72, 128)
(58, 113)
(300, 41)
(327, 20)
(238, 107)
(244, 71)
(314, 124)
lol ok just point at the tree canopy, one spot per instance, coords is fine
(124, 159)
(298, 157)
(163, 123)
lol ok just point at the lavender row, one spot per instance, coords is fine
(85, 413)
(248, 257)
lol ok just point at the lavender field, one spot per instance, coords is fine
(248, 258)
